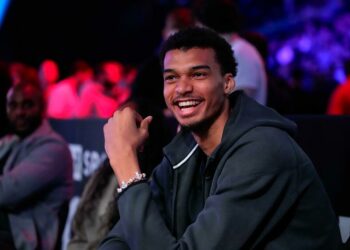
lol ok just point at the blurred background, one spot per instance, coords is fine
(306, 41)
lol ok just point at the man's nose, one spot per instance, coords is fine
(183, 86)
(18, 111)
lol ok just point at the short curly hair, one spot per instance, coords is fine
(202, 38)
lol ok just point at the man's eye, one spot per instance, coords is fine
(28, 104)
(199, 75)
(169, 78)
(11, 105)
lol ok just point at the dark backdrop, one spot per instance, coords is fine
(66, 30)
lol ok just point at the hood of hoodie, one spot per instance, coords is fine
(246, 114)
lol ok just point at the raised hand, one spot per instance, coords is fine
(125, 133)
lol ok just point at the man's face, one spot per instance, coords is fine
(24, 110)
(195, 89)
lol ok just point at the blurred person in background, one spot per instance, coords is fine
(107, 94)
(279, 95)
(49, 74)
(223, 17)
(21, 72)
(35, 175)
(63, 101)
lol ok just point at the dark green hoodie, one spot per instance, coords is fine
(258, 190)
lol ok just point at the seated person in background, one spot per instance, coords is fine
(233, 178)
(63, 101)
(35, 175)
(97, 212)
(49, 74)
(339, 102)
(21, 72)
(223, 17)
(107, 94)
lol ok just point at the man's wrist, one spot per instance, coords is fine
(125, 165)
(138, 177)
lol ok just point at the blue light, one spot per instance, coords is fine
(339, 75)
(3, 7)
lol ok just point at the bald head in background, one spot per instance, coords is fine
(25, 108)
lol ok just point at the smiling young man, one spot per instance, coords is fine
(233, 178)
(196, 92)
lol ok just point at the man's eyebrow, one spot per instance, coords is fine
(192, 68)
(200, 67)
(168, 70)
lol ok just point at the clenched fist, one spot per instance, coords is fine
(125, 133)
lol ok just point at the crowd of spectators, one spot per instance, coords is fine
(307, 50)
(86, 92)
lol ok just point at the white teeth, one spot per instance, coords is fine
(185, 104)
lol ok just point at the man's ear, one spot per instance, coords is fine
(230, 84)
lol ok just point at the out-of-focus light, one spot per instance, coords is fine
(304, 44)
(339, 75)
(285, 55)
(3, 7)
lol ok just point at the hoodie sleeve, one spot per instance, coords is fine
(114, 240)
(230, 217)
(246, 210)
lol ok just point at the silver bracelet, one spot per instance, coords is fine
(137, 178)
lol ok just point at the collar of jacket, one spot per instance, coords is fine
(245, 115)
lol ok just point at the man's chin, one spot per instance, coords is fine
(199, 126)
(23, 131)
(194, 126)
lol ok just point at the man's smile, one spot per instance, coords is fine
(187, 103)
